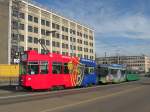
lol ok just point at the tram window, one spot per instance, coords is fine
(123, 72)
(91, 69)
(43, 67)
(33, 68)
(86, 71)
(103, 71)
(66, 70)
(23, 68)
(113, 71)
(57, 68)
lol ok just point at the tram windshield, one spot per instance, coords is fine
(23, 68)
(113, 71)
(89, 70)
(103, 71)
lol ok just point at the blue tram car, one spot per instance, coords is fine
(89, 77)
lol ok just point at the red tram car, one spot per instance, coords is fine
(45, 71)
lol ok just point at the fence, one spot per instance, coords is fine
(9, 81)
(9, 74)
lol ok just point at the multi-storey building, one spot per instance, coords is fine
(23, 23)
(139, 63)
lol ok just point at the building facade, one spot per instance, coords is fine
(138, 63)
(23, 23)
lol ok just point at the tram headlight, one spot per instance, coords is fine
(29, 79)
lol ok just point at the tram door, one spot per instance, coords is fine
(39, 73)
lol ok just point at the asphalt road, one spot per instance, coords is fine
(127, 97)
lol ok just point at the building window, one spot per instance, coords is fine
(74, 47)
(30, 18)
(74, 40)
(66, 37)
(14, 24)
(42, 31)
(63, 37)
(57, 44)
(47, 23)
(71, 39)
(21, 26)
(42, 22)
(42, 51)
(30, 39)
(30, 29)
(21, 37)
(63, 45)
(57, 26)
(21, 48)
(14, 36)
(66, 29)
(47, 33)
(35, 19)
(21, 15)
(29, 48)
(57, 35)
(43, 41)
(53, 25)
(15, 13)
(53, 43)
(35, 30)
(47, 42)
(63, 28)
(35, 40)
(36, 49)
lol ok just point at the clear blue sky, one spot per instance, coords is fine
(121, 26)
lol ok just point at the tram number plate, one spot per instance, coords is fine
(16, 60)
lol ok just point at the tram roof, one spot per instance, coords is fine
(113, 66)
(88, 62)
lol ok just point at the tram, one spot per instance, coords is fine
(111, 73)
(90, 77)
(45, 71)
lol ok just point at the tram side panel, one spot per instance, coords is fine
(90, 77)
(44, 71)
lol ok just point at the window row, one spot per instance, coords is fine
(16, 25)
(65, 46)
(36, 41)
(55, 44)
(19, 37)
(47, 23)
(65, 53)
(18, 14)
(65, 29)
(55, 35)
(36, 20)
(64, 37)
(72, 47)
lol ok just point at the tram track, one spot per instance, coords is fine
(28, 96)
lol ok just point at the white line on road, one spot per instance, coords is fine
(52, 92)
(91, 100)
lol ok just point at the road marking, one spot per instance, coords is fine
(93, 99)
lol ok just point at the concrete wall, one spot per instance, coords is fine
(4, 21)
